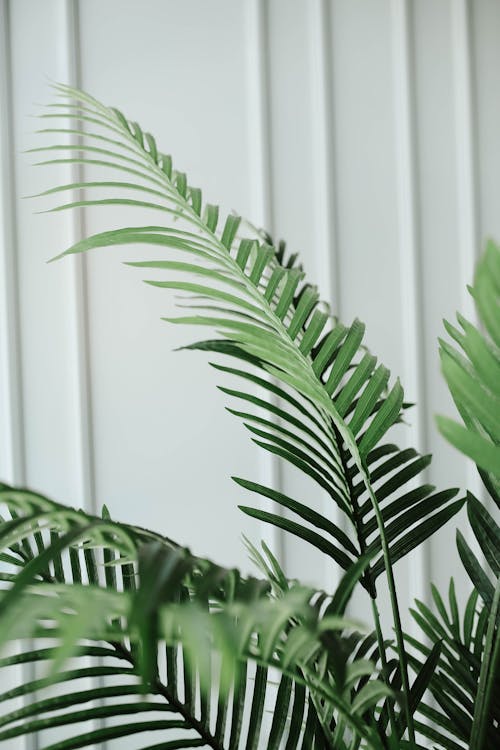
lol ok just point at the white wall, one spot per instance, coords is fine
(365, 133)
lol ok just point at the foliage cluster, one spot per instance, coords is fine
(168, 643)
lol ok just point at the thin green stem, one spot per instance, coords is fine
(372, 590)
(311, 682)
(281, 330)
(314, 390)
(186, 712)
(403, 659)
(489, 667)
(383, 660)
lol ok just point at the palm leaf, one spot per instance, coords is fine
(125, 599)
(466, 683)
(473, 375)
(261, 307)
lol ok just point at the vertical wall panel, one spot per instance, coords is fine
(323, 219)
(439, 235)
(410, 271)
(485, 28)
(366, 172)
(323, 215)
(465, 129)
(165, 448)
(367, 194)
(292, 153)
(291, 126)
(11, 421)
(11, 438)
(467, 193)
(53, 437)
(256, 24)
(76, 270)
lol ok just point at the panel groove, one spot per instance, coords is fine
(466, 159)
(324, 159)
(84, 482)
(327, 258)
(12, 463)
(77, 278)
(409, 259)
(466, 150)
(261, 186)
(13, 457)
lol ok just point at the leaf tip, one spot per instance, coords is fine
(57, 257)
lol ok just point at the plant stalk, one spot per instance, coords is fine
(372, 588)
(489, 667)
(403, 661)
(383, 660)
(277, 324)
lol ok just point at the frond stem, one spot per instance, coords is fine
(489, 668)
(372, 589)
(403, 659)
(323, 403)
(161, 689)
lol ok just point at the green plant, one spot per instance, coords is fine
(193, 648)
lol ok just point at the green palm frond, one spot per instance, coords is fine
(328, 403)
(473, 375)
(332, 405)
(466, 685)
(185, 645)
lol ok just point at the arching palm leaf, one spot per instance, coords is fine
(473, 375)
(466, 685)
(270, 318)
(156, 621)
